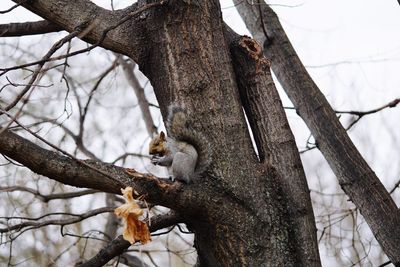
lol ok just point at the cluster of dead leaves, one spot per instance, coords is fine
(134, 229)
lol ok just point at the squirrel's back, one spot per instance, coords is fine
(180, 130)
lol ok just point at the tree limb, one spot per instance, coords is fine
(36, 73)
(355, 176)
(28, 28)
(119, 245)
(391, 104)
(128, 68)
(31, 224)
(89, 173)
(47, 198)
(361, 114)
(11, 8)
(69, 15)
(275, 141)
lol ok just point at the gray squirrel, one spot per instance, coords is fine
(186, 153)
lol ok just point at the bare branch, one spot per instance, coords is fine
(102, 22)
(83, 111)
(90, 26)
(12, 8)
(35, 74)
(47, 198)
(28, 28)
(113, 249)
(119, 245)
(130, 76)
(79, 143)
(31, 224)
(125, 155)
(132, 261)
(361, 114)
(394, 187)
(88, 173)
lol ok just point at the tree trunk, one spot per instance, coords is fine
(355, 176)
(238, 212)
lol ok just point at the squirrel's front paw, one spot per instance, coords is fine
(155, 159)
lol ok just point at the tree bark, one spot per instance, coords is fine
(355, 176)
(28, 28)
(96, 21)
(239, 219)
(275, 141)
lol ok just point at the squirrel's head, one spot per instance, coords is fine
(158, 145)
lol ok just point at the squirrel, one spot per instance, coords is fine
(186, 153)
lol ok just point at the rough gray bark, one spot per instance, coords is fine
(239, 211)
(355, 176)
(189, 63)
(275, 141)
(95, 21)
(28, 28)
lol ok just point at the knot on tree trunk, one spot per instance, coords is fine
(255, 52)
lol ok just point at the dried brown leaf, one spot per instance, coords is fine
(134, 229)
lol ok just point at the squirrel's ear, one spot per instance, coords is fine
(162, 136)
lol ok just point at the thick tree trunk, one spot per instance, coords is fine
(275, 141)
(355, 176)
(238, 213)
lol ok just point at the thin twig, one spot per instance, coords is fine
(95, 87)
(52, 50)
(361, 114)
(128, 68)
(29, 225)
(395, 187)
(391, 104)
(98, 43)
(59, 149)
(13, 7)
(47, 198)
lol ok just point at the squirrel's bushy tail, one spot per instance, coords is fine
(179, 129)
